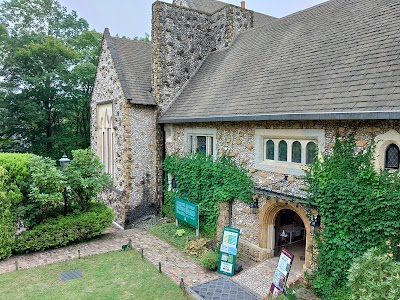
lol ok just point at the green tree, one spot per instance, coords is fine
(47, 77)
(358, 208)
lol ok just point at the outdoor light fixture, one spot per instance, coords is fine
(315, 223)
(64, 160)
(254, 206)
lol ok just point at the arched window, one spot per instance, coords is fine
(296, 152)
(270, 150)
(392, 157)
(311, 153)
(282, 151)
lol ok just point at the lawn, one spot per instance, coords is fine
(114, 275)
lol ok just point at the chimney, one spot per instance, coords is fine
(243, 4)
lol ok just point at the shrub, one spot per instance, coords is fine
(86, 177)
(210, 260)
(374, 276)
(197, 247)
(168, 205)
(7, 229)
(46, 186)
(58, 232)
(16, 165)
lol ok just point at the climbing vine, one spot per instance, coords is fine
(202, 180)
(359, 209)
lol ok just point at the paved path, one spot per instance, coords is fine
(255, 277)
(174, 263)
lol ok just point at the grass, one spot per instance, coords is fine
(167, 231)
(114, 275)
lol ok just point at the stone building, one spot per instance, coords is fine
(271, 93)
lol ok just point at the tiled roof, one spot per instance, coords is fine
(212, 6)
(132, 60)
(341, 57)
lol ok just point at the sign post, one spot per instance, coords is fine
(281, 273)
(187, 212)
(228, 251)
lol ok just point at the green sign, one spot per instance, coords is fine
(187, 212)
(228, 251)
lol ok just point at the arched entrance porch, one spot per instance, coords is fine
(268, 217)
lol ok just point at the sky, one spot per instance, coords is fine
(132, 18)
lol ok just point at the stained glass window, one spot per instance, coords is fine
(282, 151)
(201, 144)
(392, 157)
(311, 153)
(270, 150)
(296, 152)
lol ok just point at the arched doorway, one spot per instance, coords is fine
(275, 216)
(290, 233)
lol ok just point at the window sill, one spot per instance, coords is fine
(282, 167)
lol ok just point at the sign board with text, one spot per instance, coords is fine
(187, 212)
(281, 273)
(228, 251)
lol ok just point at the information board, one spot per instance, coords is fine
(187, 212)
(228, 251)
(281, 273)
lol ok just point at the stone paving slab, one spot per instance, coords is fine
(259, 277)
(222, 288)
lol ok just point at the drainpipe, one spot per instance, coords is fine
(118, 225)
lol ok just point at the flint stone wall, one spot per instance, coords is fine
(133, 194)
(236, 139)
(182, 38)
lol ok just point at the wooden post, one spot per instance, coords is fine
(16, 265)
(142, 253)
(159, 267)
(79, 254)
(182, 284)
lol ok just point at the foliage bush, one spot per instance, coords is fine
(358, 207)
(85, 177)
(63, 230)
(196, 247)
(205, 181)
(210, 260)
(7, 229)
(374, 276)
(18, 173)
(46, 185)
(168, 205)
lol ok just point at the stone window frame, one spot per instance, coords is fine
(209, 133)
(383, 142)
(304, 136)
(106, 136)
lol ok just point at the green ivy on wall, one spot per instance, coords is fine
(359, 209)
(202, 180)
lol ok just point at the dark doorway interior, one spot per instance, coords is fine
(289, 233)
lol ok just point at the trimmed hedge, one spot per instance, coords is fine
(18, 173)
(63, 230)
(7, 229)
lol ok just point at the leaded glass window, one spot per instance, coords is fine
(201, 144)
(311, 153)
(270, 150)
(296, 152)
(282, 151)
(392, 157)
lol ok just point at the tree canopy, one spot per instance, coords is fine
(47, 69)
